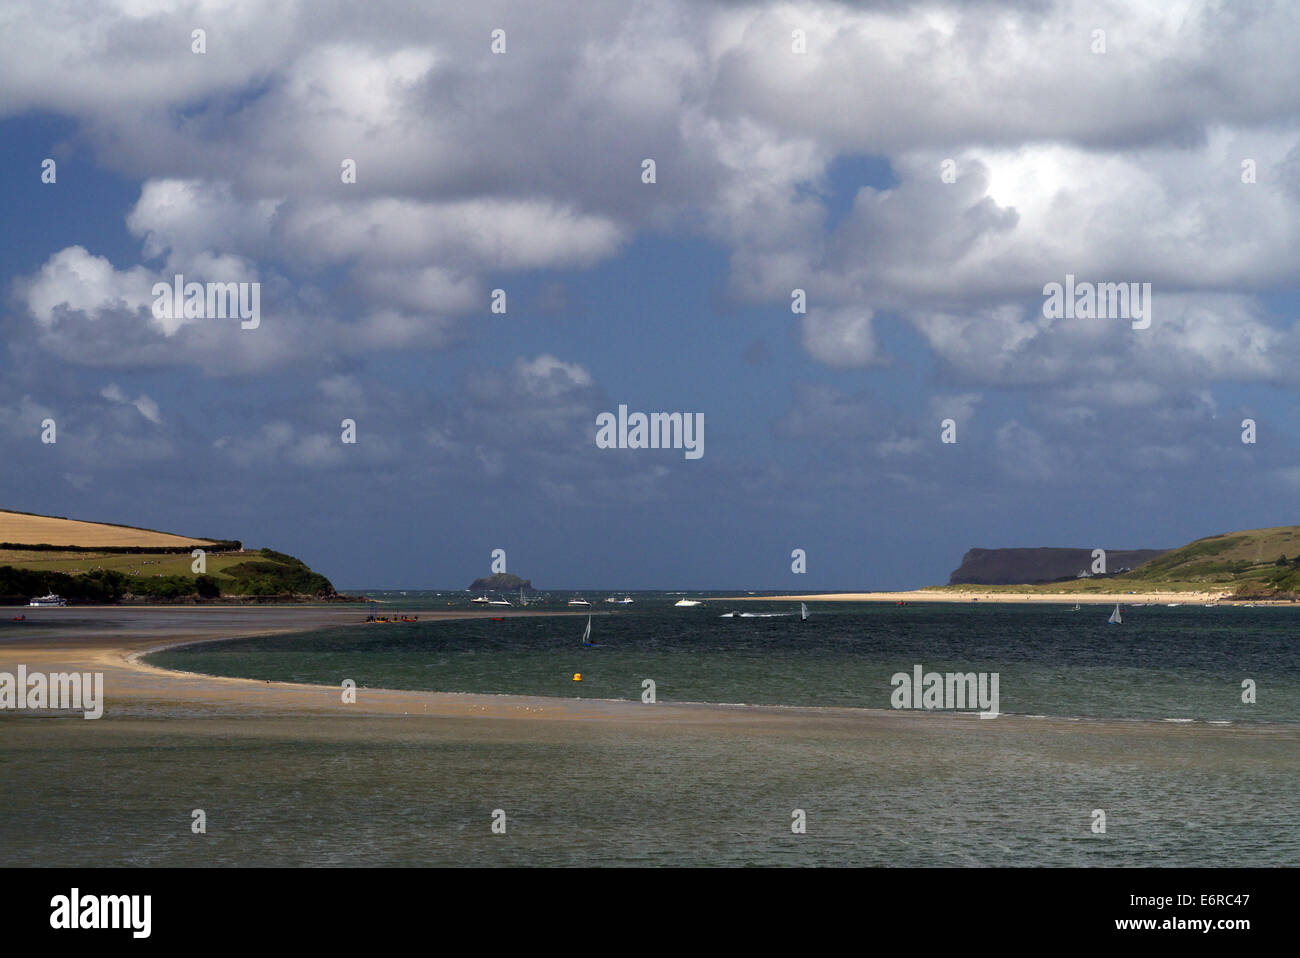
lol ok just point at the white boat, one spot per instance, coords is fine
(48, 600)
(500, 602)
(626, 600)
(803, 611)
(481, 600)
(1076, 608)
(1115, 617)
(586, 635)
(522, 600)
(684, 603)
(580, 602)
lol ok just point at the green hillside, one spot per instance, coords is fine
(114, 577)
(1252, 563)
(109, 562)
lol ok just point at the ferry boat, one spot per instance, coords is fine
(48, 600)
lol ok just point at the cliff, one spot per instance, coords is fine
(1024, 566)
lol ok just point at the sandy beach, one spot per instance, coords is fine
(975, 594)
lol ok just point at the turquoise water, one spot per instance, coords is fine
(1185, 663)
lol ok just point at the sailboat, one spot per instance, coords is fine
(803, 612)
(1076, 608)
(586, 635)
(522, 600)
(1115, 617)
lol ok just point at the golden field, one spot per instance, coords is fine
(18, 527)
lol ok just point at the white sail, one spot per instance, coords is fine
(803, 611)
(1115, 617)
(586, 636)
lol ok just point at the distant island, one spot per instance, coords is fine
(501, 582)
(101, 562)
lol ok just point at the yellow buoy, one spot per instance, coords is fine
(577, 676)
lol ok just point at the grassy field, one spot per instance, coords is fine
(129, 564)
(23, 528)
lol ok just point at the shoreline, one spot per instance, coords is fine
(1015, 598)
(132, 685)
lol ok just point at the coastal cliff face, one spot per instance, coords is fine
(1026, 566)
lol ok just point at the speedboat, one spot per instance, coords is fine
(48, 600)
(580, 602)
(683, 603)
(481, 600)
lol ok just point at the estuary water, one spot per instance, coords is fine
(1176, 664)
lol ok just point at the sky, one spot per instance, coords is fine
(921, 172)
